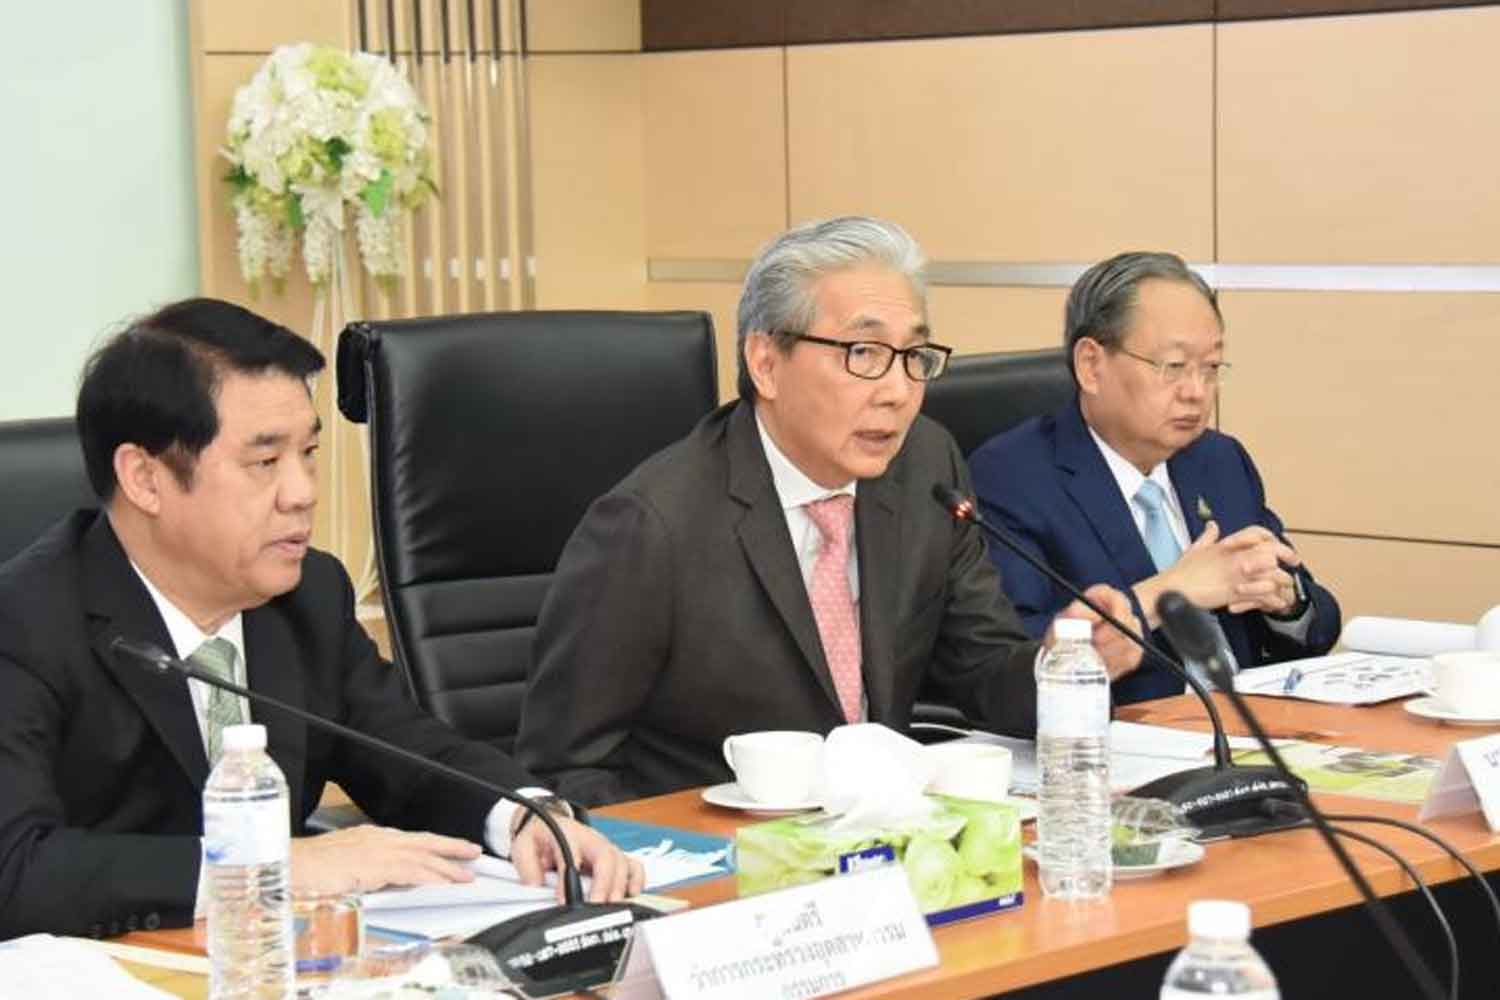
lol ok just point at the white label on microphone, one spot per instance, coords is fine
(249, 832)
(1072, 712)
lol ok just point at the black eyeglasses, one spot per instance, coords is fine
(871, 359)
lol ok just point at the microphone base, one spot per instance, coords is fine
(563, 949)
(1227, 802)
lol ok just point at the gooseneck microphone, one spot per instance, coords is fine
(1191, 631)
(1224, 800)
(537, 950)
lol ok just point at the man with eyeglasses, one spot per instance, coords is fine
(1130, 485)
(784, 566)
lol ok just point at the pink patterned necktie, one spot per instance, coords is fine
(833, 603)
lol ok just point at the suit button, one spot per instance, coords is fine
(153, 921)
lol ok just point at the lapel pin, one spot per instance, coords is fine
(1205, 512)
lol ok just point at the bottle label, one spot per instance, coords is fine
(257, 832)
(1072, 712)
(1173, 993)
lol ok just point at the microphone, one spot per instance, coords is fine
(561, 949)
(1191, 631)
(1224, 800)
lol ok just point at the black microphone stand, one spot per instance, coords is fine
(1223, 800)
(525, 946)
(1190, 631)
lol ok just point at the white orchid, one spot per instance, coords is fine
(314, 131)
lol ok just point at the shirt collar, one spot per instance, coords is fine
(185, 634)
(1128, 477)
(793, 487)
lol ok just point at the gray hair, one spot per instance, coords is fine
(778, 295)
(1103, 298)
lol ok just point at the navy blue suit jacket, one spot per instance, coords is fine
(1047, 481)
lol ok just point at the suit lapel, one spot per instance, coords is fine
(878, 535)
(273, 668)
(1093, 488)
(1191, 484)
(117, 604)
(763, 535)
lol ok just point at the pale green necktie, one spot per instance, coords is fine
(217, 656)
(1165, 550)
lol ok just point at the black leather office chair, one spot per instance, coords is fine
(982, 395)
(490, 436)
(41, 479)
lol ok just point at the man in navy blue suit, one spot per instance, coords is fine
(1129, 485)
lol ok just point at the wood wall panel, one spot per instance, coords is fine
(1369, 413)
(590, 223)
(1404, 579)
(715, 153)
(236, 26)
(1360, 140)
(719, 300)
(1061, 147)
(583, 25)
(980, 320)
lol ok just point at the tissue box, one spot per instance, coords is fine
(962, 861)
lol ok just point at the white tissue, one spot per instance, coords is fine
(873, 777)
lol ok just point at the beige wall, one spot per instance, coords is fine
(1323, 141)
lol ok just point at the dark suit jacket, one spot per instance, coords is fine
(101, 762)
(679, 616)
(1047, 481)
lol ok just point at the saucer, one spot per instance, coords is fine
(731, 796)
(1428, 708)
(1179, 854)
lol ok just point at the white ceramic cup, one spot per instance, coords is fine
(1467, 683)
(970, 770)
(775, 766)
(1487, 632)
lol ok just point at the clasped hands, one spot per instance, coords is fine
(1246, 571)
(366, 858)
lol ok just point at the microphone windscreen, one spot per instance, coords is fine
(1188, 626)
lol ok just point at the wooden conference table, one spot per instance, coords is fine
(1284, 877)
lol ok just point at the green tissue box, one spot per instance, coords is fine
(962, 861)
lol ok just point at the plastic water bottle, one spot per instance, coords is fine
(1218, 960)
(246, 854)
(1072, 750)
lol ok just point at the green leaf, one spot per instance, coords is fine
(294, 215)
(378, 193)
(238, 179)
(337, 150)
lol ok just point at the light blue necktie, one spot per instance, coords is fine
(1165, 551)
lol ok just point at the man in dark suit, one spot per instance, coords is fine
(1129, 484)
(718, 589)
(200, 438)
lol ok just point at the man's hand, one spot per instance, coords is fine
(1120, 653)
(365, 858)
(534, 853)
(1243, 572)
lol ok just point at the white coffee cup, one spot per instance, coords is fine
(1467, 683)
(970, 770)
(775, 766)
(1487, 632)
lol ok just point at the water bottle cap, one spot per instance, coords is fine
(1225, 919)
(247, 737)
(1073, 629)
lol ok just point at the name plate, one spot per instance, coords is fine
(798, 943)
(1469, 780)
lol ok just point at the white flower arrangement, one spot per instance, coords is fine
(315, 129)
